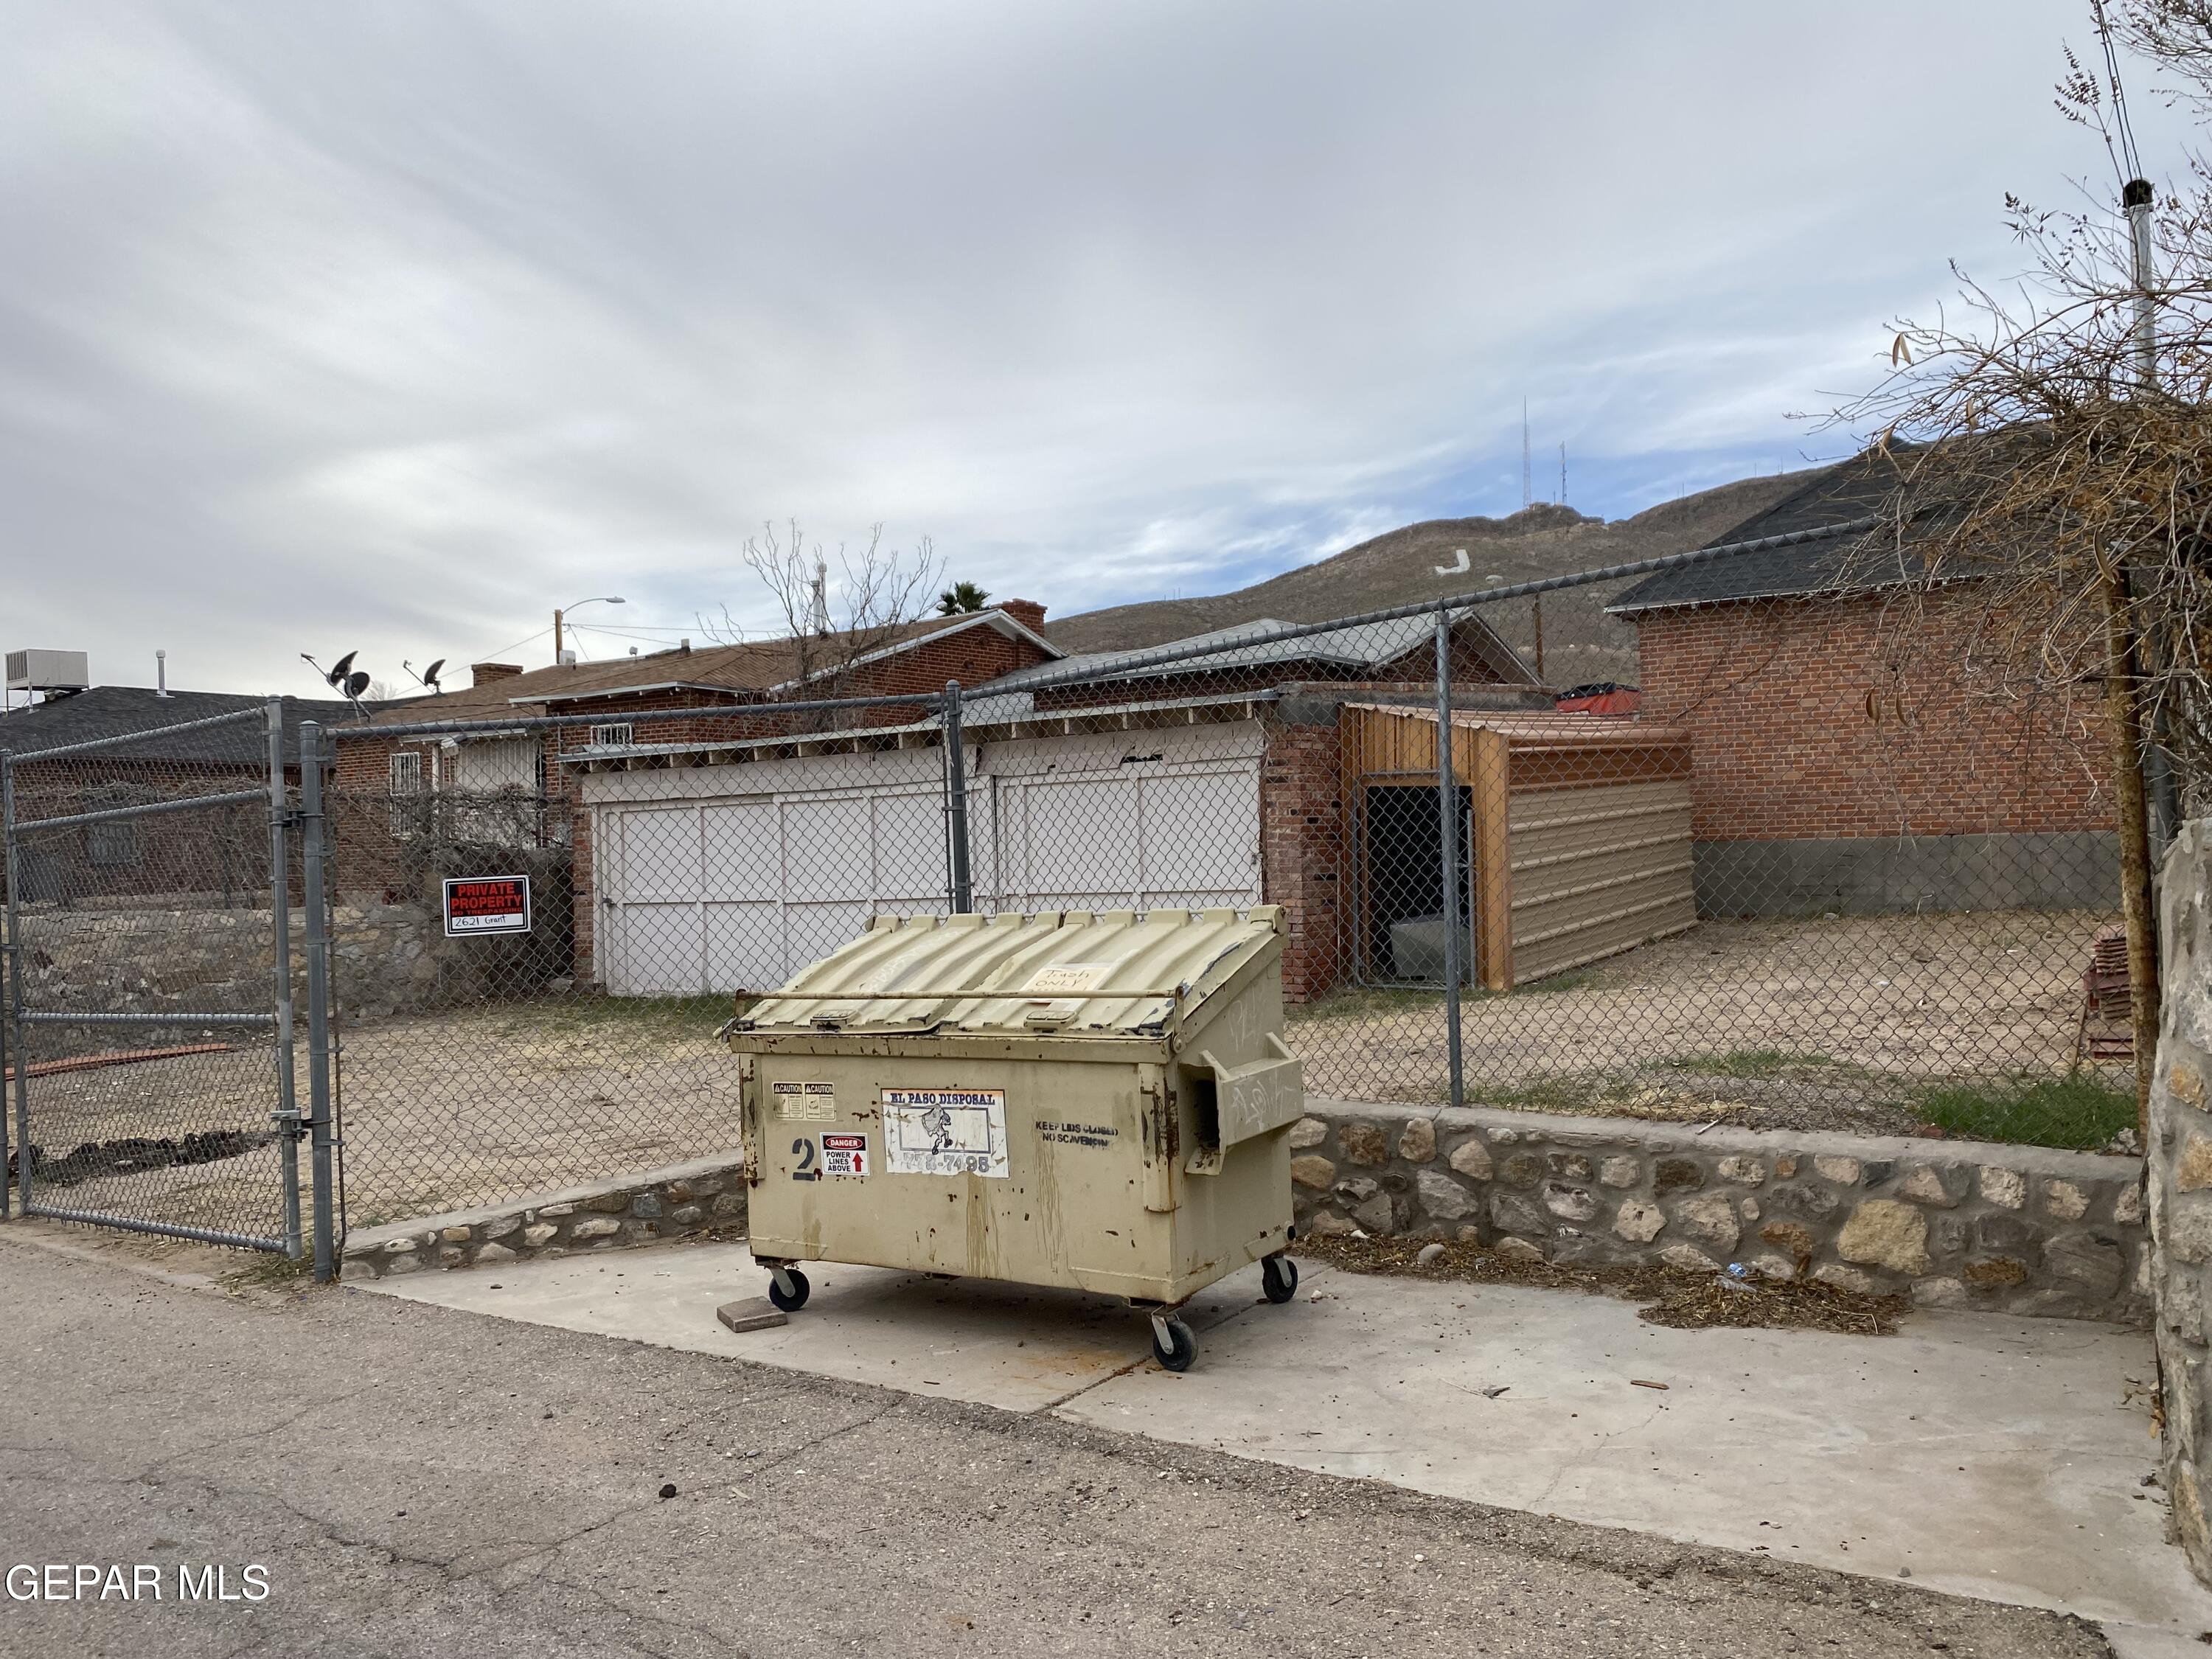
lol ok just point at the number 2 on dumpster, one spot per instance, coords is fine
(803, 1150)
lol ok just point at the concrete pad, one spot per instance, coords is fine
(1007, 1346)
(1985, 1457)
(1994, 1457)
(2141, 1642)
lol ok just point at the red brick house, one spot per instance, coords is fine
(1843, 757)
(395, 798)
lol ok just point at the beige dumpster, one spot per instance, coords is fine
(1099, 1101)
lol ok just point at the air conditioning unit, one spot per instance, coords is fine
(49, 670)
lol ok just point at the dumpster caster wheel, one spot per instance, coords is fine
(1173, 1345)
(1278, 1278)
(787, 1289)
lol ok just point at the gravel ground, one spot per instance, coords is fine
(415, 1481)
(1804, 1025)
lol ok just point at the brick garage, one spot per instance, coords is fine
(1847, 756)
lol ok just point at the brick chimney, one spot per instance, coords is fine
(483, 673)
(1028, 612)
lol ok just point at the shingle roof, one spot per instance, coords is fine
(753, 667)
(113, 711)
(1862, 486)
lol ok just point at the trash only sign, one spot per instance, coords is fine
(476, 905)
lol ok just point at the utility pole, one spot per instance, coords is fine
(2136, 196)
(1528, 479)
(2124, 704)
(561, 614)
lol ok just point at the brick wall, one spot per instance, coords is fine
(218, 851)
(583, 894)
(1302, 849)
(1832, 718)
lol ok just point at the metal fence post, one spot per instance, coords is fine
(1448, 829)
(312, 858)
(955, 804)
(14, 952)
(287, 1115)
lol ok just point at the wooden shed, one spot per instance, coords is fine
(1575, 837)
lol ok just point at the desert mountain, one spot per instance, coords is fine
(1402, 566)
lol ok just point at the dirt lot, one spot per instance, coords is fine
(1880, 1026)
(1875, 1024)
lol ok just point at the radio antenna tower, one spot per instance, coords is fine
(1528, 479)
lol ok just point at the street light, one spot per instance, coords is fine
(604, 598)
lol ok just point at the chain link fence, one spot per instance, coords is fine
(1775, 858)
(149, 1061)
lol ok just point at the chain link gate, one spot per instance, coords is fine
(150, 960)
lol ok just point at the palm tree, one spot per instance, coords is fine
(961, 596)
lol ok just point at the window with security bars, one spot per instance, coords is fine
(115, 845)
(617, 736)
(408, 789)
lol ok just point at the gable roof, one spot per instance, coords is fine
(114, 711)
(1863, 487)
(744, 671)
(1259, 644)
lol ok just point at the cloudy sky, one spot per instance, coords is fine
(391, 326)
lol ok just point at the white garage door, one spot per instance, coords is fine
(739, 891)
(1127, 821)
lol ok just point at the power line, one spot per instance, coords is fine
(2128, 159)
(627, 633)
(524, 640)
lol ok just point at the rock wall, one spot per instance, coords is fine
(2018, 1230)
(385, 959)
(2180, 1180)
(707, 1195)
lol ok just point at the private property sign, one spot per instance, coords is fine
(476, 905)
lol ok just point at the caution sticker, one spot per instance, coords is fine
(805, 1103)
(844, 1154)
(944, 1132)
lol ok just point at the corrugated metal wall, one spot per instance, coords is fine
(1580, 827)
(1596, 870)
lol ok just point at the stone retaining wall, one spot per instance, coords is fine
(706, 1195)
(2018, 1230)
(2181, 1184)
(144, 959)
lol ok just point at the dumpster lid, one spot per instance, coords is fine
(1112, 972)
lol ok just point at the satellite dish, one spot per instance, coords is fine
(430, 674)
(356, 683)
(338, 669)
